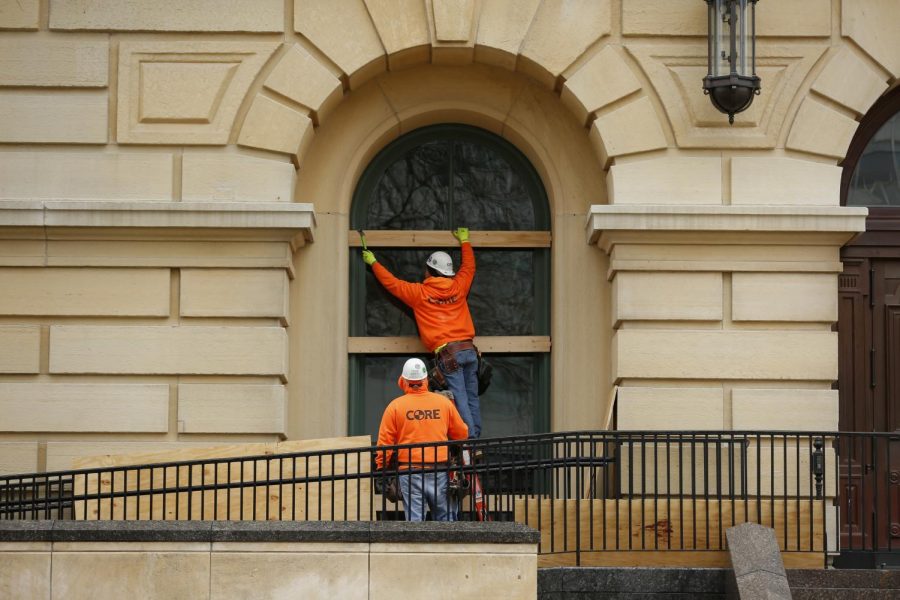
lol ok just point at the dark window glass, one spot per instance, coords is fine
(509, 407)
(439, 178)
(413, 191)
(379, 375)
(450, 176)
(876, 179)
(502, 299)
(487, 192)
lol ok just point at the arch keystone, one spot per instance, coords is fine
(402, 26)
(502, 26)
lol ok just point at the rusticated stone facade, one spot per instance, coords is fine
(165, 165)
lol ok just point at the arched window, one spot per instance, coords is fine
(871, 174)
(413, 193)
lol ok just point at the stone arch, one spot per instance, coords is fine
(513, 106)
(356, 40)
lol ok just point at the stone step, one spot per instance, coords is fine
(843, 594)
(844, 579)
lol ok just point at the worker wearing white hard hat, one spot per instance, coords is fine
(445, 324)
(420, 417)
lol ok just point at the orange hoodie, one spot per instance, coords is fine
(419, 416)
(439, 303)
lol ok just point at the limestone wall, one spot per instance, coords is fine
(156, 158)
(159, 560)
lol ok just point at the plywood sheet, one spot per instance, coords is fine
(288, 486)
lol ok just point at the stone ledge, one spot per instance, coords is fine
(608, 225)
(267, 531)
(63, 219)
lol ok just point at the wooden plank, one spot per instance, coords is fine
(223, 451)
(441, 239)
(629, 525)
(327, 500)
(412, 345)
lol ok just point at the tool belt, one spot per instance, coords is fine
(447, 354)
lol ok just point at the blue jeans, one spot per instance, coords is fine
(463, 382)
(421, 490)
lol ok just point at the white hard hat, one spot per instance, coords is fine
(441, 262)
(414, 370)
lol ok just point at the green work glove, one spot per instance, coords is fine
(462, 234)
(368, 257)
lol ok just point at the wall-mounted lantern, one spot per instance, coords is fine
(731, 82)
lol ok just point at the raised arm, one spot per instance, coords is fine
(407, 292)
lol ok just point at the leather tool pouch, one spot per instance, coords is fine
(448, 359)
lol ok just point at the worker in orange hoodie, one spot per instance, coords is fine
(445, 324)
(421, 417)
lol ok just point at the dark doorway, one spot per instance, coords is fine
(869, 334)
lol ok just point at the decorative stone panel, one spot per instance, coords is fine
(168, 15)
(677, 71)
(184, 92)
(452, 31)
(452, 19)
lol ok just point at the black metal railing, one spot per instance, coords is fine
(586, 492)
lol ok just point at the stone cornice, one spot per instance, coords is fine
(293, 223)
(608, 225)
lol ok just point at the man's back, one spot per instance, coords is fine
(421, 417)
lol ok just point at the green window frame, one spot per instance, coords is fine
(393, 240)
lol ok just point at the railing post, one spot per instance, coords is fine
(818, 465)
